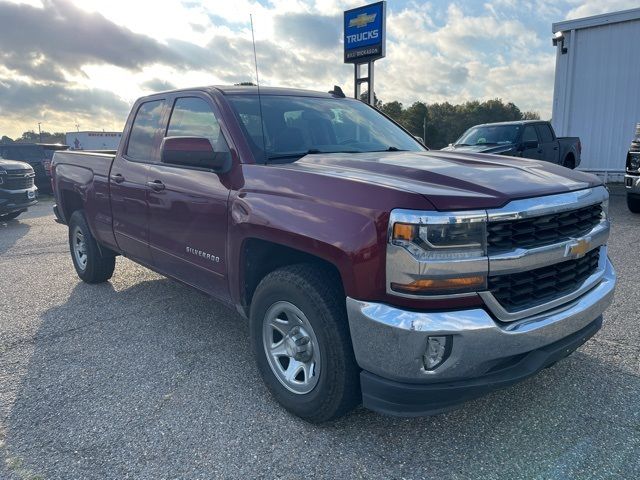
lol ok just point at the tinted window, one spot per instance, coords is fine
(292, 126)
(490, 134)
(529, 134)
(192, 117)
(145, 130)
(545, 133)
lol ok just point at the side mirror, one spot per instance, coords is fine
(529, 144)
(194, 152)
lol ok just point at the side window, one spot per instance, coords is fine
(529, 134)
(192, 117)
(144, 130)
(545, 133)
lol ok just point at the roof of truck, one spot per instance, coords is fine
(252, 90)
(513, 122)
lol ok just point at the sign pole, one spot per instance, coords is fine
(372, 95)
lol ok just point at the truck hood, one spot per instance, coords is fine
(495, 149)
(12, 165)
(450, 180)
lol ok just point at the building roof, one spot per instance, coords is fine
(597, 20)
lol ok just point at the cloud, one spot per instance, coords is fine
(311, 31)
(42, 42)
(58, 106)
(587, 8)
(157, 85)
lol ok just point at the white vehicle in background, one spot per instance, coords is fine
(93, 140)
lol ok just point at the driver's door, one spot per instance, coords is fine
(188, 206)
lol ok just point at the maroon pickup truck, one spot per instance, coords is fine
(371, 270)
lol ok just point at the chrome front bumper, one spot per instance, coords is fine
(632, 184)
(390, 342)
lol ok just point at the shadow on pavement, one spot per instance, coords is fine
(10, 232)
(158, 381)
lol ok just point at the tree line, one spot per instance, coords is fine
(35, 137)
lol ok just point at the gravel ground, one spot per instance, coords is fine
(143, 378)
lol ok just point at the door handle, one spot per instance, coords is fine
(156, 185)
(540, 151)
(118, 178)
(555, 148)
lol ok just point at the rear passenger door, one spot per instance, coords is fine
(531, 143)
(548, 144)
(128, 181)
(188, 205)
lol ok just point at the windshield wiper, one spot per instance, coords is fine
(389, 149)
(461, 145)
(311, 151)
(487, 143)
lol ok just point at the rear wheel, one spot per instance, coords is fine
(633, 203)
(300, 337)
(90, 264)
(569, 162)
(9, 216)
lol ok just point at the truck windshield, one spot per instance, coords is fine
(297, 126)
(490, 134)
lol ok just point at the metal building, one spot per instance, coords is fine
(597, 87)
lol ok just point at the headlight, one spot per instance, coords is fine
(437, 253)
(441, 242)
(633, 161)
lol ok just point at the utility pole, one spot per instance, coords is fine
(424, 130)
(39, 132)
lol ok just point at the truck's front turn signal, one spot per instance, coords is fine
(443, 286)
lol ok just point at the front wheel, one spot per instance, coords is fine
(90, 264)
(633, 203)
(300, 337)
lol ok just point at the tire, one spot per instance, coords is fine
(569, 162)
(311, 300)
(633, 203)
(90, 264)
(9, 216)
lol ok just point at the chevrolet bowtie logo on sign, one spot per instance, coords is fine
(362, 20)
(578, 249)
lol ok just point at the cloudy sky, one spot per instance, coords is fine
(65, 62)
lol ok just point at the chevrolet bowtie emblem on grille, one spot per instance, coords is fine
(362, 20)
(579, 248)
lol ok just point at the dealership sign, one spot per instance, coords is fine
(364, 33)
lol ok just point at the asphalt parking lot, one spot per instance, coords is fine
(143, 378)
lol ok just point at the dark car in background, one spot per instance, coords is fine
(526, 138)
(37, 155)
(17, 189)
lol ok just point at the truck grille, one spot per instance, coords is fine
(18, 181)
(519, 291)
(543, 230)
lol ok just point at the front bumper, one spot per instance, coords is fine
(389, 344)
(17, 200)
(632, 184)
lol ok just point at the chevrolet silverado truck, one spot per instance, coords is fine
(526, 138)
(17, 189)
(370, 269)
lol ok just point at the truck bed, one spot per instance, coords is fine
(84, 177)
